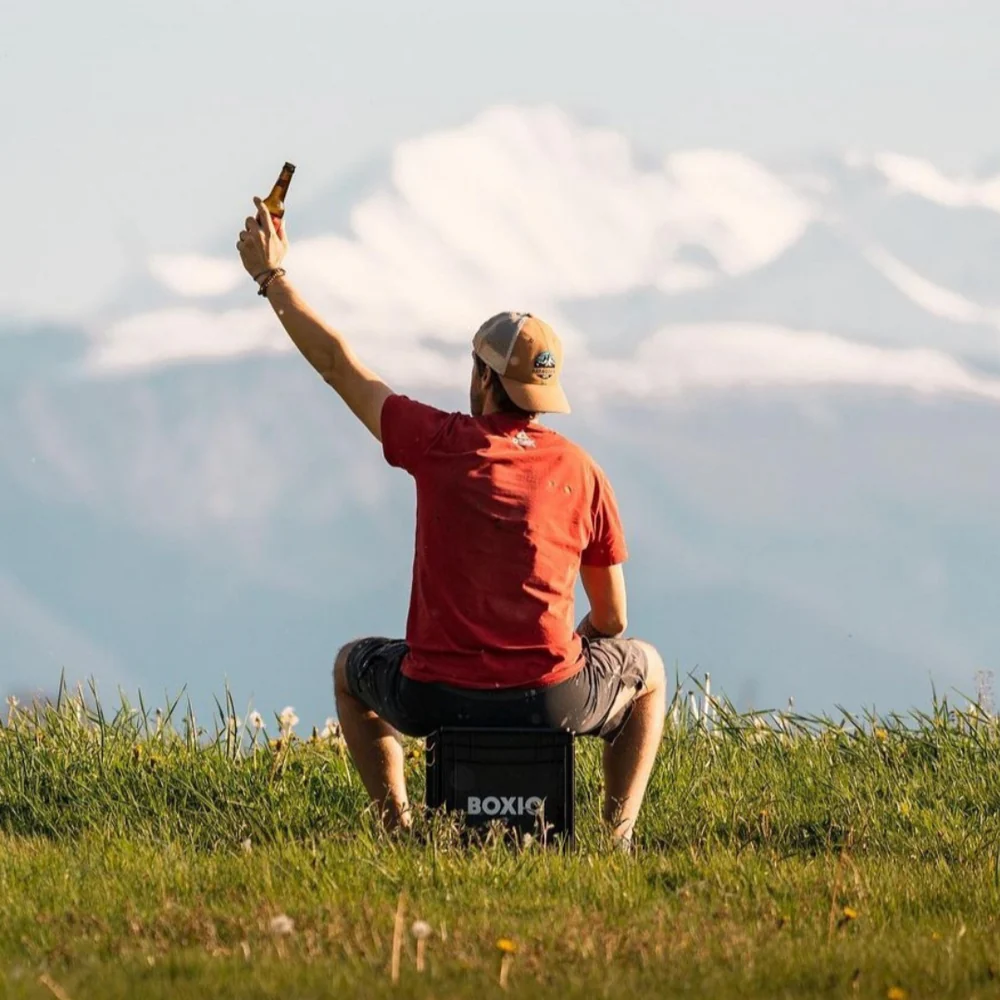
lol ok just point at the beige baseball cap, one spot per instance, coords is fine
(528, 357)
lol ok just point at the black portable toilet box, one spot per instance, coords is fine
(519, 777)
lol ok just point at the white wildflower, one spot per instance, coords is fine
(256, 720)
(331, 731)
(282, 925)
(421, 930)
(288, 719)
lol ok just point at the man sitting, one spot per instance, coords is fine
(509, 515)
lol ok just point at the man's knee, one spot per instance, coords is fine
(656, 672)
(340, 681)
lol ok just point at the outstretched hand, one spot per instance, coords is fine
(262, 243)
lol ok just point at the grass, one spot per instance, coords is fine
(140, 856)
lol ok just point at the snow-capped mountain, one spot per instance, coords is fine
(791, 371)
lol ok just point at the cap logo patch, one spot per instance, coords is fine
(544, 365)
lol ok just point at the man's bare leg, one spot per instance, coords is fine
(628, 762)
(375, 748)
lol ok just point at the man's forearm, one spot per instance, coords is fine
(321, 346)
(328, 352)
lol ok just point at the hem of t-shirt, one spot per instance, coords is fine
(387, 403)
(564, 672)
(603, 559)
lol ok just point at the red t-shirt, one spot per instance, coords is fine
(507, 511)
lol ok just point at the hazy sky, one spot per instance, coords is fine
(132, 127)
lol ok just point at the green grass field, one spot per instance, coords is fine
(141, 858)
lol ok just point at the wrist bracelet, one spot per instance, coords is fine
(271, 275)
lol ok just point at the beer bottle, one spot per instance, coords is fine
(275, 201)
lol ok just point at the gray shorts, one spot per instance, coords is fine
(596, 701)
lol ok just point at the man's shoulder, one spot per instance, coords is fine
(572, 448)
(402, 407)
(411, 431)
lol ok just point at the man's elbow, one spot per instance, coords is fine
(612, 625)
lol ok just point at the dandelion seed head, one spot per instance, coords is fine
(282, 925)
(984, 690)
(421, 930)
(288, 719)
(256, 720)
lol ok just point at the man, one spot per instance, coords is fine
(509, 515)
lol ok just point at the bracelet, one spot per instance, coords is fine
(271, 275)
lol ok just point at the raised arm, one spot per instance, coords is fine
(262, 246)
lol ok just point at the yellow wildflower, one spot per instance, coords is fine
(507, 949)
(895, 993)
(850, 913)
(881, 735)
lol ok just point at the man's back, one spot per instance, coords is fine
(506, 512)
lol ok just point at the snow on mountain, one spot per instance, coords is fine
(195, 275)
(906, 174)
(733, 356)
(519, 206)
(525, 207)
